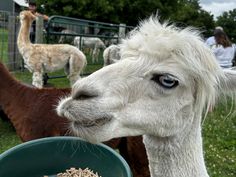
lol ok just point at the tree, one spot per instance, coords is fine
(184, 12)
(228, 21)
(191, 14)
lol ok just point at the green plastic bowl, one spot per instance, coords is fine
(49, 156)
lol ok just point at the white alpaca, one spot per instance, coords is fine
(114, 40)
(39, 58)
(111, 54)
(65, 38)
(159, 89)
(93, 43)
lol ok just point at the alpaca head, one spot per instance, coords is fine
(102, 45)
(27, 16)
(160, 87)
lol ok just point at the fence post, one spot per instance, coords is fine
(11, 42)
(122, 28)
(39, 30)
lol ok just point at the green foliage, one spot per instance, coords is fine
(228, 21)
(190, 13)
(185, 12)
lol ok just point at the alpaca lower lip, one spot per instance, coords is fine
(91, 123)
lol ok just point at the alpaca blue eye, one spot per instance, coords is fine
(165, 80)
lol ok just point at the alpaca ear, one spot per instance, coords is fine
(229, 82)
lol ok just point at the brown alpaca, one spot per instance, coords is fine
(31, 110)
(134, 152)
(32, 113)
(3, 116)
(39, 58)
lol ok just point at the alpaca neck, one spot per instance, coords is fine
(10, 89)
(176, 156)
(14, 102)
(9, 93)
(23, 36)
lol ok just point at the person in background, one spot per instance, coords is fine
(33, 8)
(211, 42)
(224, 50)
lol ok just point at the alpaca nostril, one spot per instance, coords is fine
(83, 95)
(83, 92)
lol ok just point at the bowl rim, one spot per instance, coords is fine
(50, 139)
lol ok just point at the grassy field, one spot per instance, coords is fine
(219, 133)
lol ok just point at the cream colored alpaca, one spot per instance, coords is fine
(159, 89)
(39, 58)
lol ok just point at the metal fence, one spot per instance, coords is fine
(62, 29)
(9, 27)
(53, 32)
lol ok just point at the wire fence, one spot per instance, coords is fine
(9, 27)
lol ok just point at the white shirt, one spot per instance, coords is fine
(224, 56)
(211, 41)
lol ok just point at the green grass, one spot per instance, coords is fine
(219, 131)
(3, 45)
(8, 137)
(26, 76)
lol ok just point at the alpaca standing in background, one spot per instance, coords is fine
(93, 43)
(32, 113)
(65, 39)
(160, 88)
(40, 58)
(111, 54)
